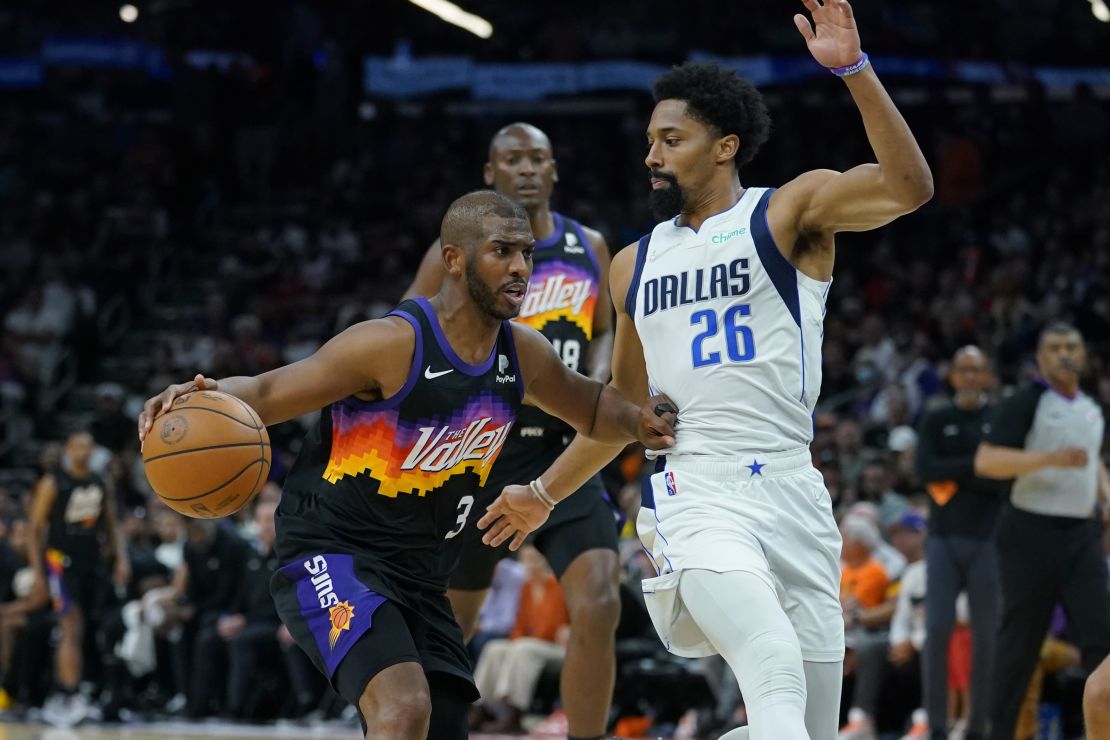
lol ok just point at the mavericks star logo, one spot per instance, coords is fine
(341, 615)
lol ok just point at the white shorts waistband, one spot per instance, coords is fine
(749, 464)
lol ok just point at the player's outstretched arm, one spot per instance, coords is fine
(870, 195)
(429, 276)
(366, 358)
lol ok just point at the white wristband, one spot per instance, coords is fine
(542, 494)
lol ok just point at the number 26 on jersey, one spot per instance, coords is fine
(739, 342)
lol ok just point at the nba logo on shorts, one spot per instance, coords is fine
(672, 488)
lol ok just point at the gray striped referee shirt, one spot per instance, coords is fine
(1038, 417)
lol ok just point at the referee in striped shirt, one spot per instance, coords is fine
(1047, 437)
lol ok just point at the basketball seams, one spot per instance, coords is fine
(225, 484)
(202, 449)
(215, 411)
(250, 412)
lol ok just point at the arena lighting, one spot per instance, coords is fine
(452, 13)
(1100, 10)
(128, 13)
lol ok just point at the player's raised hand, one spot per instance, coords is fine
(835, 42)
(657, 419)
(515, 514)
(160, 404)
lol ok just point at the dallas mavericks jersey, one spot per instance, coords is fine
(731, 332)
(388, 481)
(560, 303)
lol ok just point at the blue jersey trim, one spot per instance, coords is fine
(410, 381)
(555, 235)
(445, 346)
(783, 274)
(588, 245)
(641, 257)
(510, 346)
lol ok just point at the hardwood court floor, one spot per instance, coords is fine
(186, 731)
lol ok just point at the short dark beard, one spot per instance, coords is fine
(666, 203)
(485, 298)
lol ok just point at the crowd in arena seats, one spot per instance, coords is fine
(150, 233)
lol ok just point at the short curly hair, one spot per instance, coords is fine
(720, 99)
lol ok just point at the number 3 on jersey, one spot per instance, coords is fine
(465, 504)
(739, 341)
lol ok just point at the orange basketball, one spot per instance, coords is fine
(208, 455)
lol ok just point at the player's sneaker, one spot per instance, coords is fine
(554, 726)
(859, 727)
(919, 730)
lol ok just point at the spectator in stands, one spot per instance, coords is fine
(498, 615)
(508, 670)
(111, 428)
(247, 631)
(209, 581)
(864, 588)
(963, 510)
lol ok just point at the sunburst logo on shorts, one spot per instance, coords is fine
(341, 615)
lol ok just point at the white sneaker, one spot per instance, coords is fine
(63, 710)
(859, 727)
(920, 726)
(959, 729)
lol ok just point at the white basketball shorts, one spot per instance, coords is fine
(768, 514)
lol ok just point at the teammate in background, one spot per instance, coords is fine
(568, 301)
(417, 407)
(74, 539)
(721, 310)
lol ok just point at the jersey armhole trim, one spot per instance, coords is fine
(587, 244)
(638, 270)
(510, 348)
(410, 381)
(783, 275)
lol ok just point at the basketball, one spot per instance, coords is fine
(208, 455)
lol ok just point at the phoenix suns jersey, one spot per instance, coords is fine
(388, 481)
(560, 303)
(77, 526)
(731, 332)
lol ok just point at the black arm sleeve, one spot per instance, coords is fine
(932, 466)
(1014, 418)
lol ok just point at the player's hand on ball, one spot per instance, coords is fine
(515, 514)
(657, 419)
(160, 404)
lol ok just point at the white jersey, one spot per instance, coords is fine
(731, 332)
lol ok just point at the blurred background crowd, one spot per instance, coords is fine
(231, 218)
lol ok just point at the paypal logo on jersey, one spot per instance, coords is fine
(694, 286)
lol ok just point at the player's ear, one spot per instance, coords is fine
(727, 148)
(487, 174)
(554, 170)
(454, 259)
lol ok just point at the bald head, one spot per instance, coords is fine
(516, 134)
(970, 376)
(468, 219)
(522, 166)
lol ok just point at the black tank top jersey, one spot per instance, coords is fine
(561, 300)
(389, 481)
(77, 525)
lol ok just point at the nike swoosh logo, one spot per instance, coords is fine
(430, 375)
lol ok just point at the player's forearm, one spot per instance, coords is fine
(581, 460)
(906, 174)
(256, 393)
(992, 461)
(599, 357)
(615, 420)
(34, 551)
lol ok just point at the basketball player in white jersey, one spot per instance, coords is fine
(720, 312)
